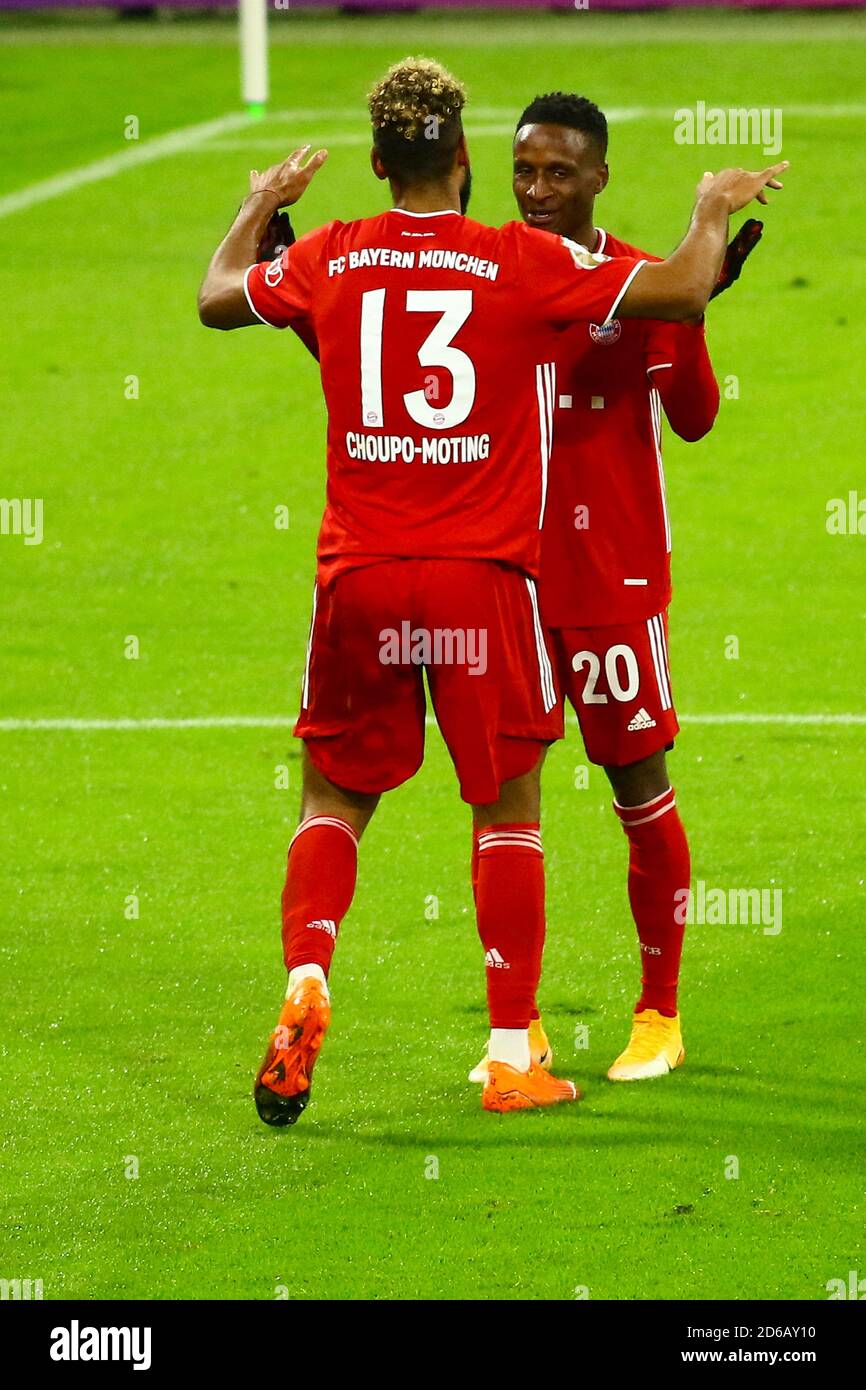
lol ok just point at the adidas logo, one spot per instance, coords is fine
(325, 925)
(494, 961)
(641, 721)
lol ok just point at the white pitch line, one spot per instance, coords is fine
(348, 138)
(278, 721)
(196, 136)
(133, 157)
(229, 721)
(613, 113)
(179, 141)
(496, 121)
(741, 717)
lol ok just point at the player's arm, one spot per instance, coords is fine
(678, 362)
(680, 287)
(222, 300)
(679, 367)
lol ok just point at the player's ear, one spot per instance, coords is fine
(462, 153)
(376, 164)
(603, 176)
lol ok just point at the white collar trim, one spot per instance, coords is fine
(445, 212)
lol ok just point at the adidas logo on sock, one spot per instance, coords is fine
(494, 961)
(325, 925)
(641, 721)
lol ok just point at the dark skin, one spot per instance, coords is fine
(675, 289)
(222, 304)
(519, 800)
(558, 174)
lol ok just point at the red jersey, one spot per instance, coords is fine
(436, 340)
(606, 543)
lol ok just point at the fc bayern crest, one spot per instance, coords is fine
(274, 272)
(605, 333)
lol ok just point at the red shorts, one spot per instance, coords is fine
(473, 625)
(618, 680)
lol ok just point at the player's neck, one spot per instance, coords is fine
(585, 235)
(434, 198)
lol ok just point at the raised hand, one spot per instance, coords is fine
(290, 179)
(737, 187)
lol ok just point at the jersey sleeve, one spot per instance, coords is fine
(679, 366)
(281, 292)
(567, 282)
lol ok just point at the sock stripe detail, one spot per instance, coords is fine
(312, 821)
(519, 834)
(644, 820)
(643, 805)
(503, 843)
(509, 839)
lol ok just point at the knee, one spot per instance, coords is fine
(639, 782)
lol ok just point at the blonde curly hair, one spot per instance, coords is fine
(416, 114)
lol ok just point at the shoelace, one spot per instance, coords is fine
(650, 1040)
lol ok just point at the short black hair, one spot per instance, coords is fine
(564, 108)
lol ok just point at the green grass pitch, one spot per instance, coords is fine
(130, 1043)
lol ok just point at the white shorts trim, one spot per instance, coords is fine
(548, 689)
(305, 696)
(655, 629)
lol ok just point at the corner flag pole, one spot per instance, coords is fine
(253, 20)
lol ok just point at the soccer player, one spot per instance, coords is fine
(436, 368)
(605, 561)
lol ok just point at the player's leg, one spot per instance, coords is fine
(321, 870)
(497, 722)
(618, 681)
(520, 803)
(511, 925)
(362, 723)
(507, 837)
(320, 884)
(658, 880)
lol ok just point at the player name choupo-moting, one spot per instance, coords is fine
(402, 448)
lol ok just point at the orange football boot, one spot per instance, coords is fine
(282, 1088)
(540, 1051)
(509, 1089)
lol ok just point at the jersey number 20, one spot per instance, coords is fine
(612, 656)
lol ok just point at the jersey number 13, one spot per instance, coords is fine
(454, 308)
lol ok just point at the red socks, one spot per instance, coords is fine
(509, 895)
(659, 867)
(320, 884)
(475, 833)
